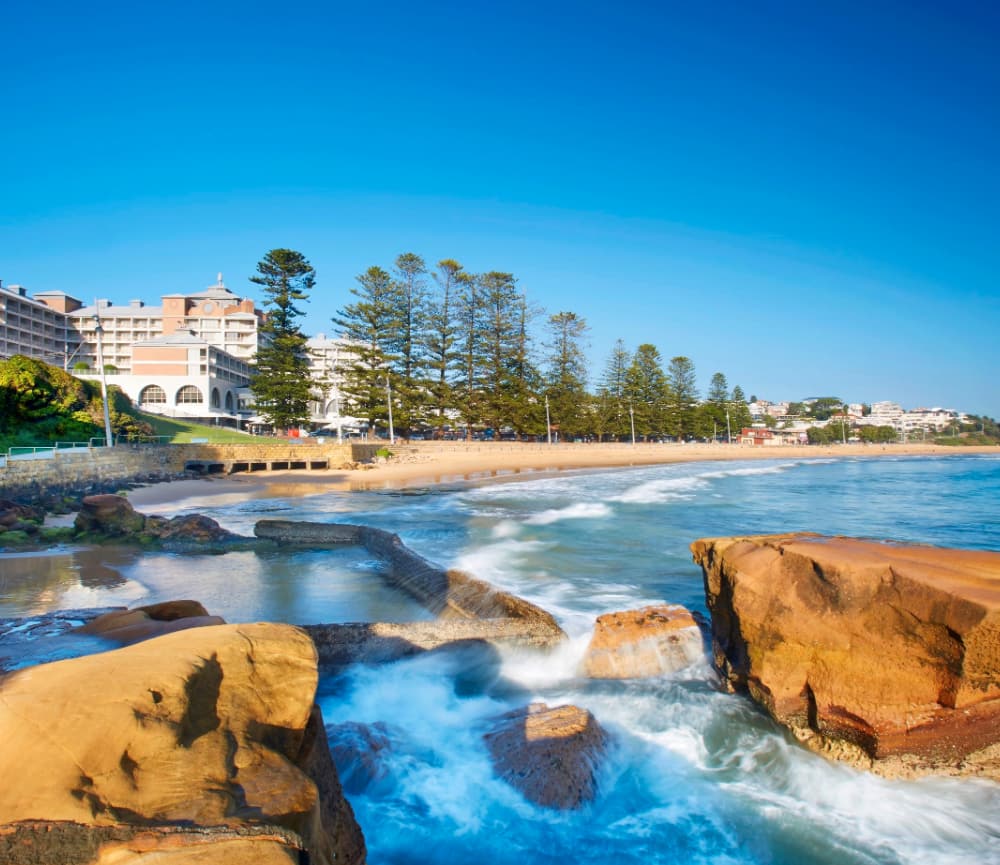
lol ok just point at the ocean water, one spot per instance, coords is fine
(693, 775)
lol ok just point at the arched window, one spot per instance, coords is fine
(152, 394)
(333, 408)
(189, 394)
(216, 402)
(229, 400)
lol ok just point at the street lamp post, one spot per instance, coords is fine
(548, 421)
(729, 432)
(99, 330)
(388, 399)
(631, 420)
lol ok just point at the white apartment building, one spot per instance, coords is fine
(325, 358)
(935, 419)
(31, 327)
(182, 375)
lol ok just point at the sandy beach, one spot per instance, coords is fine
(431, 463)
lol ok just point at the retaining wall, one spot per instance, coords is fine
(85, 467)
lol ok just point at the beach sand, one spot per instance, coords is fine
(432, 463)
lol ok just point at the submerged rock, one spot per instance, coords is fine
(210, 727)
(550, 755)
(646, 642)
(154, 620)
(359, 751)
(886, 656)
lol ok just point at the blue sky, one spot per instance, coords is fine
(804, 196)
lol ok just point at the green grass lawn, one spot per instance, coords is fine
(182, 432)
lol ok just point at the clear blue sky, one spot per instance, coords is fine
(805, 196)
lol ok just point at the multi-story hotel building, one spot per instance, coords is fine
(192, 356)
(31, 327)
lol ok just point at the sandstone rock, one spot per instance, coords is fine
(109, 515)
(191, 528)
(67, 843)
(206, 727)
(883, 655)
(550, 755)
(359, 752)
(340, 838)
(154, 620)
(645, 642)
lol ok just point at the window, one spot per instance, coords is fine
(215, 397)
(189, 394)
(152, 394)
(229, 400)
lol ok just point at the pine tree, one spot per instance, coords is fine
(713, 411)
(525, 410)
(611, 403)
(282, 386)
(646, 390)
(443, 336)
(566, 378)
(368, 325)
(500, 342)
(739, 411)
(408, 340)
(682, 398)
(469, 311)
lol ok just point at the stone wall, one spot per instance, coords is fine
(85, 470)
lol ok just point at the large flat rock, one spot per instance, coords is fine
(207, 727)
(880, 654)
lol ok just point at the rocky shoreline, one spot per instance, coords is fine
(884, 656)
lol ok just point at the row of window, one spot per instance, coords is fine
(153, 394)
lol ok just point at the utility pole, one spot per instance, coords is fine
(548, 421)
(388, 399)
(99, 330)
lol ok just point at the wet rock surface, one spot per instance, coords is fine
(647, 642)
(886, 656)
(550, 755)
(359, 751)
(126, 627)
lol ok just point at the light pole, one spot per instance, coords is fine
(729, 432)
(843, 426)
(631, 420)
(388, 399)
(548, 421)
(99, 330)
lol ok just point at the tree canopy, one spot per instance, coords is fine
(282, 388)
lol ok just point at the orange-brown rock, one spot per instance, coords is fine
(884, 655)
(550, 755)
(154, 620)
(205, 727)
(645, 642)
(108, 514)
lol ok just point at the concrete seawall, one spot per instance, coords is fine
(81, 469)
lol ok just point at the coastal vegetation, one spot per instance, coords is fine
(42, 404)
